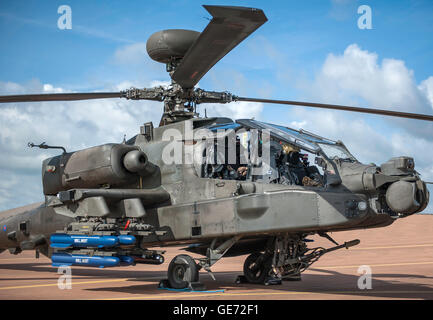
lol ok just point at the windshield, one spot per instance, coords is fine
(291, 157)
(299, 138)
(333, 151)
(288, 135)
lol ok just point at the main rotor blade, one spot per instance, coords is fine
(59, 97)
(229, 26)
(416, 116)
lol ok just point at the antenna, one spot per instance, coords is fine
(45, 146)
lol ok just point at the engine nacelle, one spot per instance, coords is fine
(108, 164)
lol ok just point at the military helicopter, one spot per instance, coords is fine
(237, 187)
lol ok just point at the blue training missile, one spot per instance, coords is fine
(65, 259)
(63, 241)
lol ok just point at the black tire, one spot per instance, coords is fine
(257, 267)
(182, 271)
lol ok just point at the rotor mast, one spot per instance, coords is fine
(178, 105)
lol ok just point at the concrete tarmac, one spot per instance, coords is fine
(400, 258)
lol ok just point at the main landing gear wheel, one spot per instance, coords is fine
(182, 271)
(257, 267)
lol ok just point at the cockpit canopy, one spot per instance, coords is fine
(301, 139)
(257, 151)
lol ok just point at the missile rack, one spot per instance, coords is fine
(98, 244)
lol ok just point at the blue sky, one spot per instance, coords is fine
(308, 50)
(304, 31)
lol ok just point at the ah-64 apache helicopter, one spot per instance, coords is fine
(109, 205)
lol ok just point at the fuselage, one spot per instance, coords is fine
(189, 201)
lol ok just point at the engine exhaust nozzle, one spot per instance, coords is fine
(136, 161)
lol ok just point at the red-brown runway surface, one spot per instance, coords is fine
(400, 257)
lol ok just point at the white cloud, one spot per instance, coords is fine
(48, 88)
(234, 110)
(298, 124)
(72, 124)
(156, 83)
(358, 74)
(357, 77)
(131, 54)
(426, 87)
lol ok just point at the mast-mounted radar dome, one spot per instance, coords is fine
(166, 45)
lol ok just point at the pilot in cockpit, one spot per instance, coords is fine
(227, 170)
(294, 168)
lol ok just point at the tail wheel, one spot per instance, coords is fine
(182, 271)
(257, 267)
